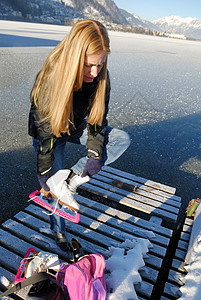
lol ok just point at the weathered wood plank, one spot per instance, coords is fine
(148, 273)
(37, 238)
(172, 290)
(178, 265)
(185, 236)
(180, 254)
(183, 245)
(18, 232)
(119, 215)
(130, 202)
(187, 228)
(9, 260)
(92, 232)
(145, 181)
(141, 189)
(148, 199)
(9, 297)
(141, 186)
(121, 225)
(14, 243)
(156, 220)
(176, 277)
(144, 288)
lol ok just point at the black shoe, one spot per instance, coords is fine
(76, 248)
(61, 241)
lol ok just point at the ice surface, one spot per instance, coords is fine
(150, 80)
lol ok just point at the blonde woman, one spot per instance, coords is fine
(69, 103)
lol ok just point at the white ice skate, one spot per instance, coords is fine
(76, 181)
(63, 191)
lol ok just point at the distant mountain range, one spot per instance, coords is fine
(103, 10)
(191, 27)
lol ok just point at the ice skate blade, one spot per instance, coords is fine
(63, 203)
(68, 206)
(68, 211)
(37, 197)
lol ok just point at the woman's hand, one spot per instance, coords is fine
(93, 166)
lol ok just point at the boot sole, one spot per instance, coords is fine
(63, 203)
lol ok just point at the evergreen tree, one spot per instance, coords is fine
(20, 5)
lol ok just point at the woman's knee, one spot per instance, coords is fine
(126, 137)
(122, 137)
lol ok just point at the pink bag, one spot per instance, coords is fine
(84, 279)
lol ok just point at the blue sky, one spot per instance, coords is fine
(155, 9)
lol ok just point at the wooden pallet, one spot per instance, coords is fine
(102, 224)
(154, 199)
(177, 271)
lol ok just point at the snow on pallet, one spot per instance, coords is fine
(102, 224)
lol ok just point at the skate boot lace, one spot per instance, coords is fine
(70, 188)
(71, 192)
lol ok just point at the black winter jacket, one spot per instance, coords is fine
(82, 100)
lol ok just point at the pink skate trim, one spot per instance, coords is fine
(33, 196)
(18, 277)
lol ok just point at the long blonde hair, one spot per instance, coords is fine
(62, 74)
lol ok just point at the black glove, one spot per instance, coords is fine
(93, 166)
(42, 180)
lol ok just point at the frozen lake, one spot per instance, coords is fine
(156, 97)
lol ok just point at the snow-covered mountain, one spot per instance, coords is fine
(135, 20)
(62, 11)
(105, 8)
(191, 27)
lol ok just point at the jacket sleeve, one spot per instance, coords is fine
(47, 141)
(96, 134)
